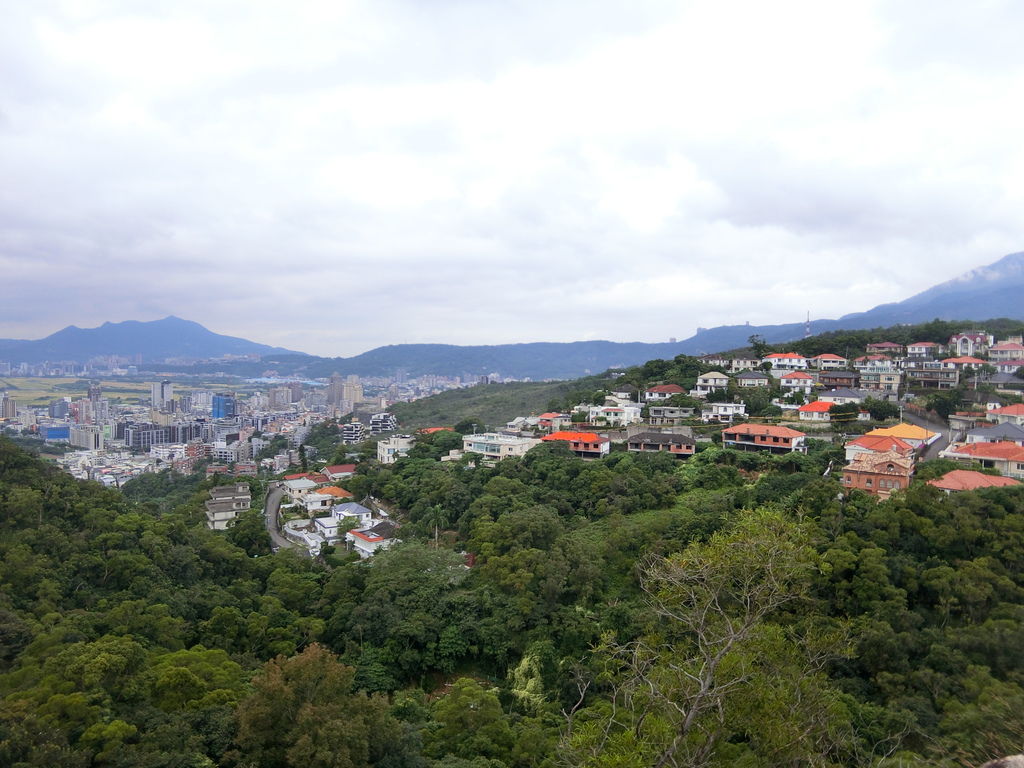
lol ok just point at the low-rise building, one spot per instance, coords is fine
(723, 413)
(816, 411)
(662, 392)
(839, 379)
(1005, 432)
(972, 343)
(877, 444)
(925, 349)
(843, 396)
(383, 422)
(750, 378)
(881, 378)
(613, 416)
(680, 446)
(1004, 457)
(668, 415)
(879, 474)
(391, 449)
(707, 383)
(797, 381)
(368, 541)
(495, 445)
(908, 433)
(337, 472)
(1009, 414)
(930, 374)
(225, 504)
(781, 362)
(586, 445)
(353, 432)
(828, 362)
(764, 437)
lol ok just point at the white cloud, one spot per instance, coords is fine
(336, 176)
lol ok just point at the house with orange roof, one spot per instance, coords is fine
(785, 361)
(662, 392)
(764, 437)
(970, 343)
(969, 480)
(877, 444)
(909, 433)
(1008, 414)
(959, 363)
(586, 445)
(828, 362)
(1004, 457)
(867, 361)
(796, 381)
(337, 472)
(816, 411)
(879, 474)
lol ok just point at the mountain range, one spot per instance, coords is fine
(170, 337)
(996, 290)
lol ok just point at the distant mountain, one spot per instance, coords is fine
(993, 291)
(155, 340)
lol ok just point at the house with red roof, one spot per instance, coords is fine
(337, 472)
(959, 363)
(662, 392)
(879, 474)
(1011, 349)
(816, 411)
(970, 343)
(968, 480)
(586, 445)
(1004, 457)
(764, 437)
(1008, 414)
(868, 361)
(797, 381)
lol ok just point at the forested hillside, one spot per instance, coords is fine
(732, 610)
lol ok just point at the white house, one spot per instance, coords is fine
(368, 541)
(723, 413)
(393, 448)
(713, 381)
(785, 361)
(613, 415)
(797, 381)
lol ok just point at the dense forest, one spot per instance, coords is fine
(735, 609)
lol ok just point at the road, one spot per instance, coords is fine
(931, 451)
(270, 510)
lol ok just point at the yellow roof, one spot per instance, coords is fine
(904, 432)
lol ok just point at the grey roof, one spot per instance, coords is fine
(385, 529)
(351, 508)
(844, 392)
(1005, 431)
(1004, 378)
(841, 372)
(661, 438)
(752, 375)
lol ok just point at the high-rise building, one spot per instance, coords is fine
(95, 391)
(8, 407)
(335, 390)
(161, 393)
(225, 406)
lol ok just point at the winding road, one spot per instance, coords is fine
(930, 451)
(270, 511)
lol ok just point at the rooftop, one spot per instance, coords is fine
(969, 480)
(764, 430)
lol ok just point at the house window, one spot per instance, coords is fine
(868, 482)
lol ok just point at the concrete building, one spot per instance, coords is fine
(494, 445)
(225, 503)
(393, 448)
(878, 473)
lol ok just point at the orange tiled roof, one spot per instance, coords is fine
(881, 443)
(575, 437)
(1010, 410)
(827, 356)
(969, 480)
(783, 356)
(798, 375)
(671, 388)
(332, 490)
(768, 430)
(964, 361)
(1001, 450)
(432, 430)
(818, 406)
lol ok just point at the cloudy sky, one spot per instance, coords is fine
(334, 176)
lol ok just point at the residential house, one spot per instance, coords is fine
(1005, 457)
(1008, 366)
(341, 518)
(764, 437)
(393, 448)
(663, 392)
(553, 420)
(707, 383)
(298, 487)
(816, 411)
(828, 362)
(877, 444)
(781, 362)
(625, 391)
(494, 445)
(970, 343)
(881, 378)
(225, 503)
(960, 363)
(1009, 414)
(1011, 349)
(723, 413)
(930, 374)
(368, 541)
(797, 381)
(885, 348)
(968, 480)
(753, 379)
(680, 446)
(613, 416)
(928, 349)
(908, 433)
(847, 379)
(878, 473)
(586, 445)
(337, 472)
(383, 422)
(844, 396)
(668, 415)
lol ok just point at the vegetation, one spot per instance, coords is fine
(733, 609)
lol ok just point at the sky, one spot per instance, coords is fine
(335, 176)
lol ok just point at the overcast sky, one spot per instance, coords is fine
(334, 176)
